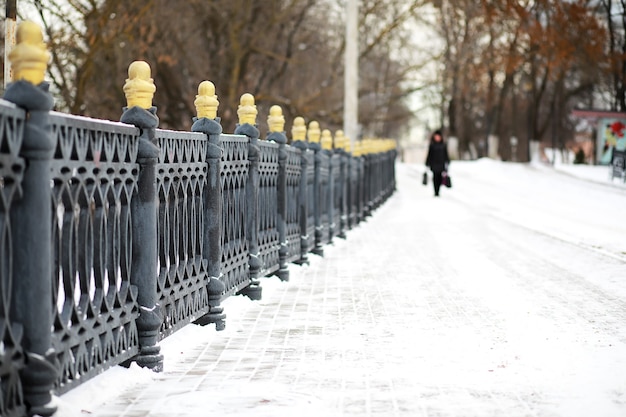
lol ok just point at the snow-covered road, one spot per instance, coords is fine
(585, 212)
(506, 296)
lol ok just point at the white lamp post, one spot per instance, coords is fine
(351, 82)
(10, 25)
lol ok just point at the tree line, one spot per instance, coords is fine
(516, 68)
(498, 68)
(285, 52)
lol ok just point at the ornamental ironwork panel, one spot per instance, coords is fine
(309, 237)
(268, 236)
(360, 161)
(344, 180)
(322, 236)
(292, 218)
(353, 191)
(379, 174)
(391, 173)
(11, 173)
(336, 208)
(234, 177)
(378, 177)
(369, 165)
(94, 173)
(374, 175)
(182, 272)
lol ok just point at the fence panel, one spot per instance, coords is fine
(322, 200)
(336, 194)
(369, 186)
(361, 184)
(269, 239)
(343, 192)
(294, 176)
(94, 174)
(181, 178)
(353, 191)
(308, 235)
(234, 178)
(11, 174)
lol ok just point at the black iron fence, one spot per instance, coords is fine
(114, 235)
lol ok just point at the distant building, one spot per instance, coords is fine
(609, 131)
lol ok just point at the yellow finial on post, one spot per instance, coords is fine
(206, 101)
(29, 58)
(340, 140)
(327, 140)
(347, 144)
(247, 109)
(298, 130)
(276, 120)
(139, 87)
(366, 146)
(314, 132)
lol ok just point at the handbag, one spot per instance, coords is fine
(425, 178)
(447, 181)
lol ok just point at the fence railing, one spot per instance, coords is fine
(114, 235)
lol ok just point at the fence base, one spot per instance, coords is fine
(252, 291)
(283, 274)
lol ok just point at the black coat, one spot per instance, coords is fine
(437, 158)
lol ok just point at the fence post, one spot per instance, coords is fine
(247, 113)
(276, 123)
(139, 90)
(360, 192)
(326, 143)
(368, 183)
(298, 137)
(341, 145)
(208, 123)
(314, 135)
(392, 169)
(31, 215)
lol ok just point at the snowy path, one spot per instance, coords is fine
(484, 302)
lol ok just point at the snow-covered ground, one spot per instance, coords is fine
(582, 205)
(505, 296)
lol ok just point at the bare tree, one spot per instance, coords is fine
(287, 52)
(613, 13)
(548, 48)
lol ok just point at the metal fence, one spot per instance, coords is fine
(114, 235)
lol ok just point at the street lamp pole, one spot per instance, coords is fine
(10, 26)
(351, 72)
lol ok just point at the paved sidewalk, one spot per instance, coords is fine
(429, 308)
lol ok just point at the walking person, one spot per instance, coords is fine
(437, 159)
